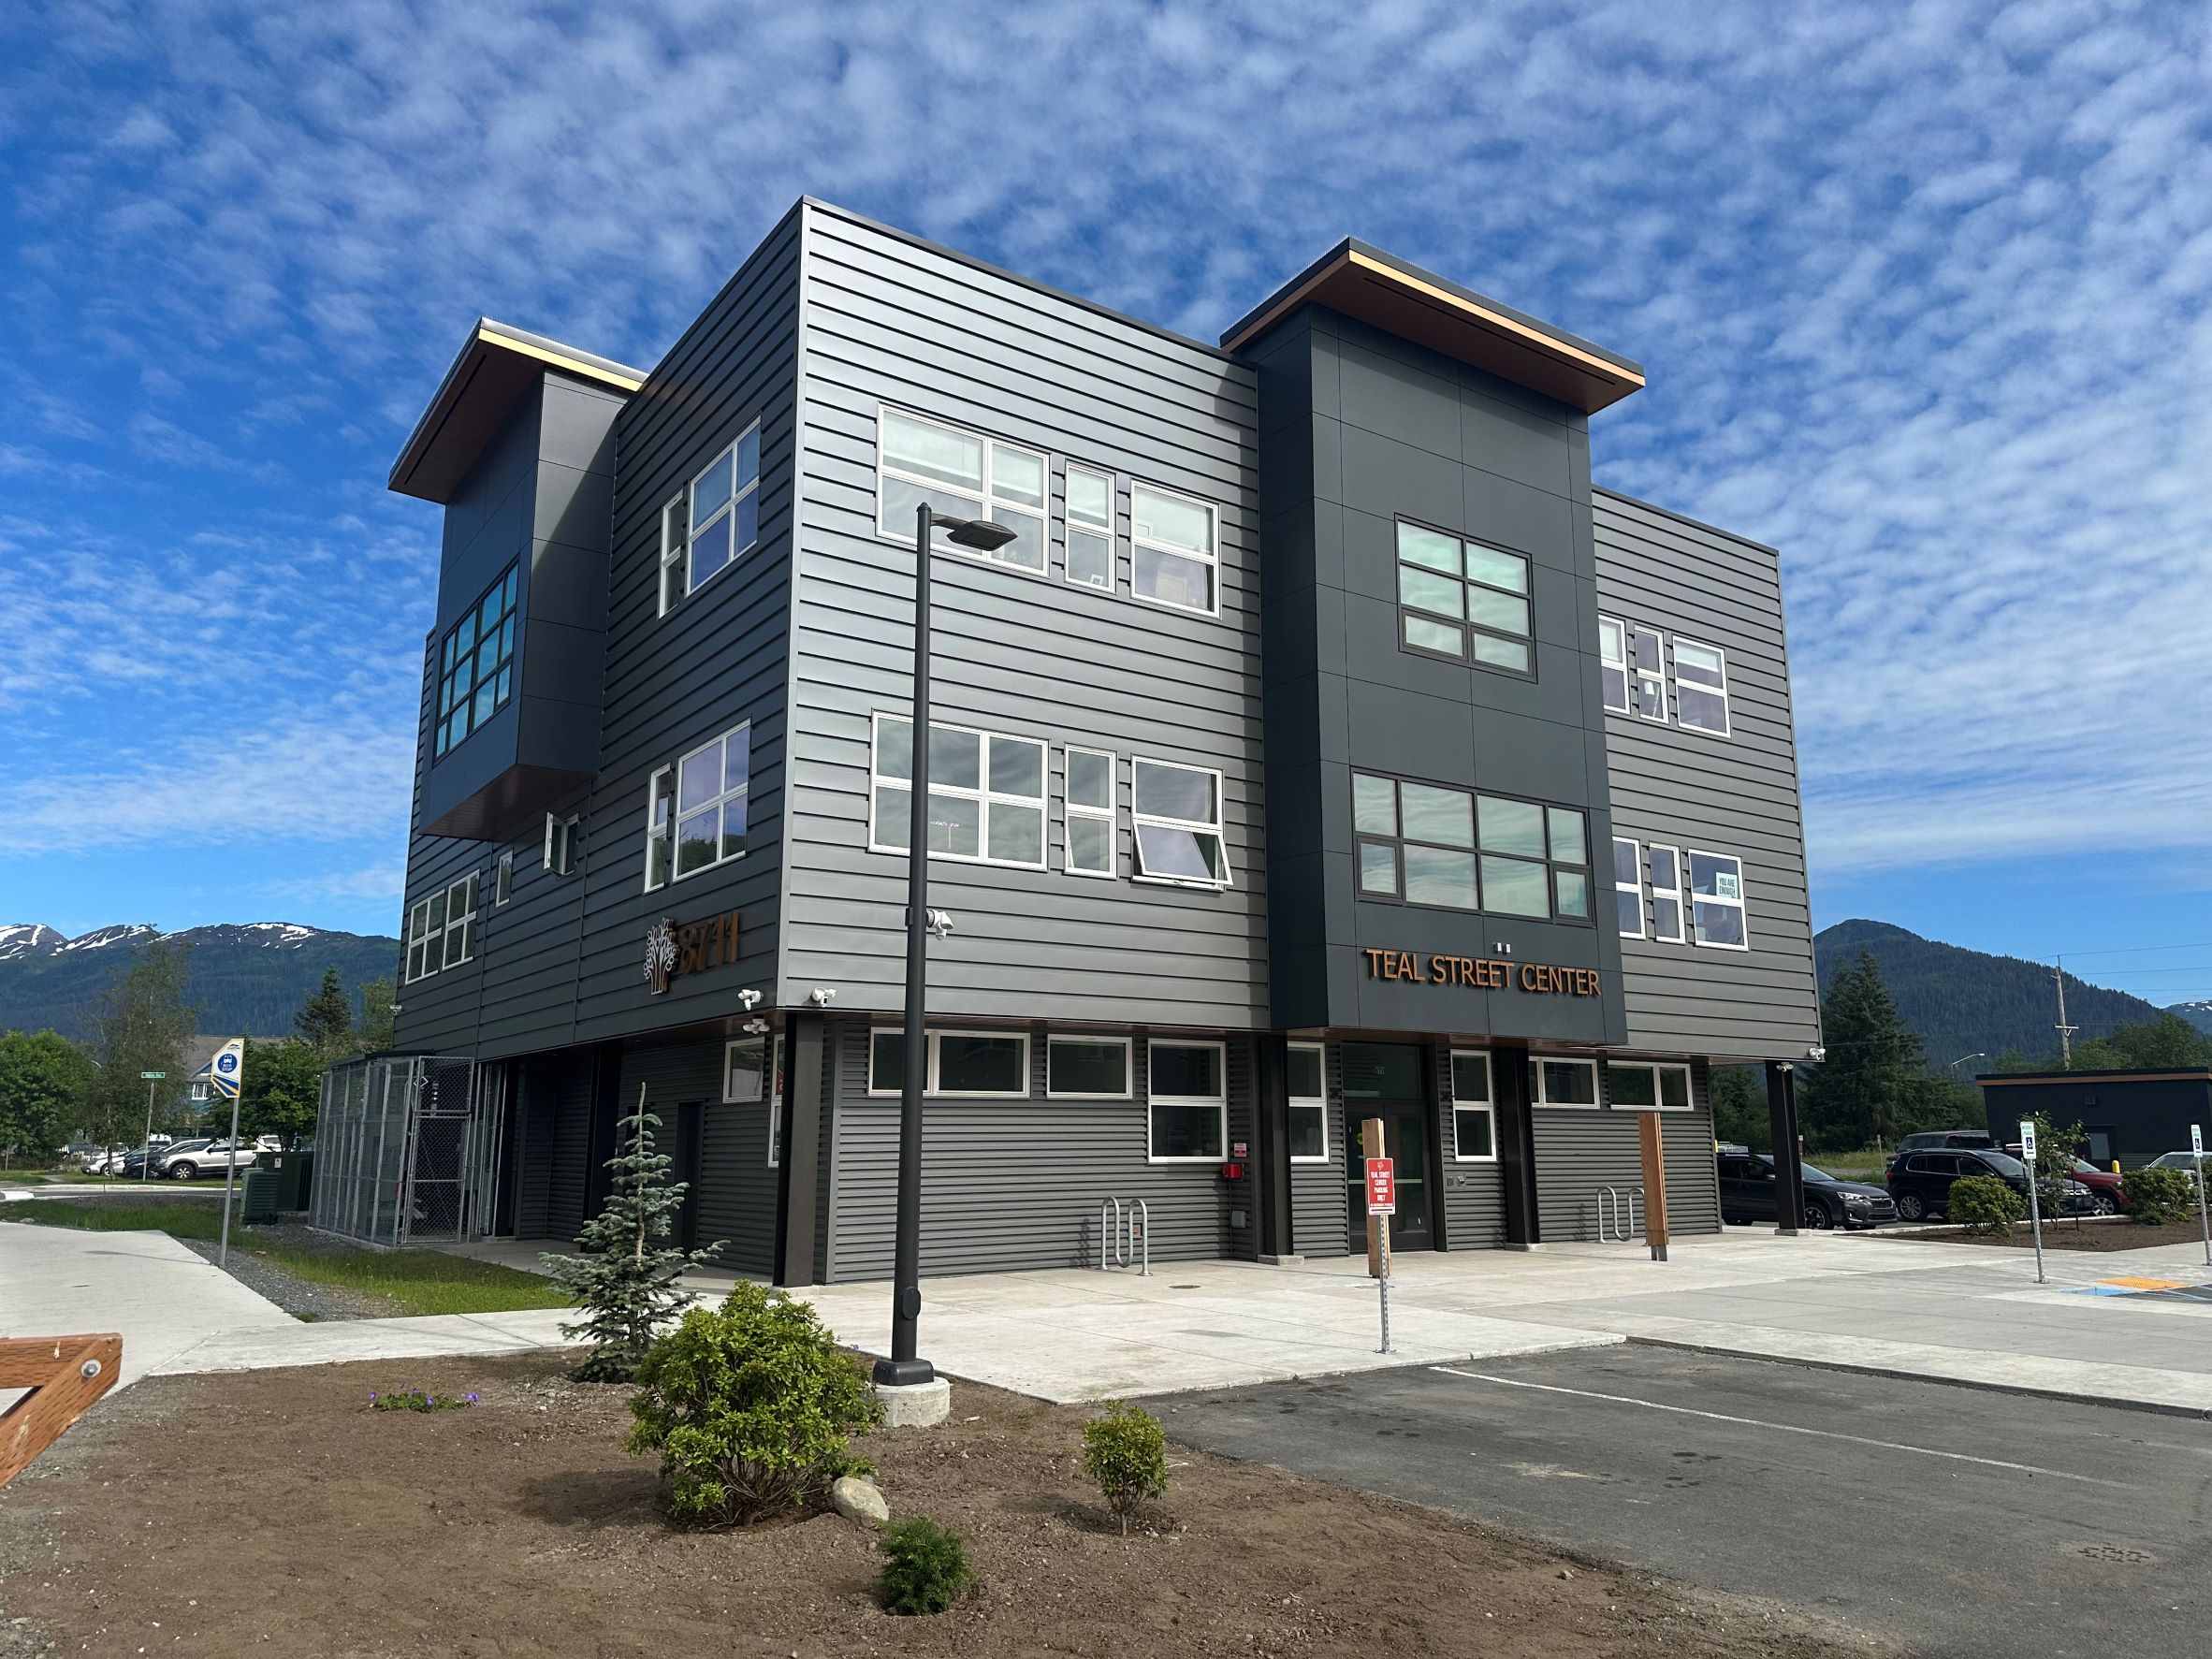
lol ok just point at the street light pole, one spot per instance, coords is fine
(903, 1368)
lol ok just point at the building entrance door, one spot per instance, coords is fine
(1385, 1080)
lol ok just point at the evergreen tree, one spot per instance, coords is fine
(375, 1035)
(625, 1280)
(1739, 1114)
(2168, 1042)
(326, 1020)
(1873, 1079)
(43, 1078)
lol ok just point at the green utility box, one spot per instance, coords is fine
(259, 1205)
(294, 1173)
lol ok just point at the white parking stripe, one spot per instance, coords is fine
(1753, 1422)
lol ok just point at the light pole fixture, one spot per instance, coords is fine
(903, 1368)
(1962, 1059)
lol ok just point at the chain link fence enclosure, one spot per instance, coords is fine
(406, 1150)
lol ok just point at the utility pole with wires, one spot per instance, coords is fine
(2065, 1031)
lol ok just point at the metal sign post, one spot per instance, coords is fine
(225, 1072)
(1382, 1203)
(2034, 1209)
(146, 1163)
(2196, 1151)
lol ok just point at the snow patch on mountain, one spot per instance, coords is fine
(28, 938)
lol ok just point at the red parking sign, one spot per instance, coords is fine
(1382, 1187)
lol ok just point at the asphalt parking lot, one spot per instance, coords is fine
(1960, 1521)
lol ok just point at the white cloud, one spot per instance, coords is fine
(1921, 292)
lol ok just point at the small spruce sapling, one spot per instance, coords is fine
(625, 1279)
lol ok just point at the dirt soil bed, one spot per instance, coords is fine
(2065, 1235)
(519, 1527)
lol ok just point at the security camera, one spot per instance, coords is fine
(940, 923)
(1816, 1054)
(755, 1027)
(822, 995)
(750, 999)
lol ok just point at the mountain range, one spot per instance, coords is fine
(1969, 1002)
(246, 979)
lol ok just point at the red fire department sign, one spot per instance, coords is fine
(1382, 1187)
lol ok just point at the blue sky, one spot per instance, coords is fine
(1922, 292)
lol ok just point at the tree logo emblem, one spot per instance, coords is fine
(660, 952)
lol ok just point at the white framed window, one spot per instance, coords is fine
(1174, 557)
(1090, 528)
(1612, 662)
(675, 541)
(725, 511)
(1473, 1112)
(961, 1065)
(1566, 1083)
(1628, 887)
(1186, 1113)
(1667, 893)
(1307, 1074)
(560, 843)
(712, 791)
(1717, 913)
(442, 929)
(962, 475)
(502, 884)
(745, 1071)
(1093, 815)
(660, 860)
(1645, 1086)
(1176, 811)
(1086, 1068)
(461, 921)
(986, 793)
(1647, 679)
(1701, 687)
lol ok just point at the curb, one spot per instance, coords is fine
(2067, 1396)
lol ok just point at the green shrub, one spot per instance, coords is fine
(420, 1400)
(1984, 1205)
(750, 1405)
(924, 1568)
(1126, 1452)
(2160, 1198)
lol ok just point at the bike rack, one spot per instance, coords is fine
(1619, 1214)
(1125, 1235)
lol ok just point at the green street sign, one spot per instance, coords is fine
(151, 1076)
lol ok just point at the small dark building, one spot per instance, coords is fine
(2129, 1115)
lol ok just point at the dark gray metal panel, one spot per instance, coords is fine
(736, 1202)
(1018, 1184)
(537, 1112)
(891, 321)
(570, 1168)
(1736, 794)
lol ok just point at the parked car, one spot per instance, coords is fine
(1941, 1141)
(2189, 1163)
(2108, 1192)
(183, 1159)
(1920, 1182)
(1748, 1187)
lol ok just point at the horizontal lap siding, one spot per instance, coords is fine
(1578, 1152)
(1687, 788)
(1027, 655)
(736, 1202)
(572, 1147)
(1018, 1184)
(1319, 1205)
(1473, 1193)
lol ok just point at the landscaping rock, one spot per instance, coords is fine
(859, 1500)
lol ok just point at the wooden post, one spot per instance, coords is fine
(1371, 1145)
(65, 1375)
(1647, 1131)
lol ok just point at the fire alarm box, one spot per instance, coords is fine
(1232, 1171)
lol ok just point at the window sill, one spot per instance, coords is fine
(1175, 882)
(1168, 605)
(1000, 864)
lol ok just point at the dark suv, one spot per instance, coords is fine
(1747, 1194)
(1941, 1141)
(1920, 1182)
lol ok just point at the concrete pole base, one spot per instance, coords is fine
(915, 1405)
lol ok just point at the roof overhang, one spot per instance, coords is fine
(496, 368)
(1418, 305)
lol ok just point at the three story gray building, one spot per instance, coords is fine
(1324, 746)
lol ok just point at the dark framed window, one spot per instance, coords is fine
(1426, 844)
(1464, 600)
(477, 665)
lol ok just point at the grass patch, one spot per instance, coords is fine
(414, 1281)
(179, 1220)
(1863, 1165)
(419, 1281)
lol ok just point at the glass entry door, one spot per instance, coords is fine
(1386, 1080)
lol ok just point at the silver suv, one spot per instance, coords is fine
(190, 1159)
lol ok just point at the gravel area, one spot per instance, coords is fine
(299, 1297)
